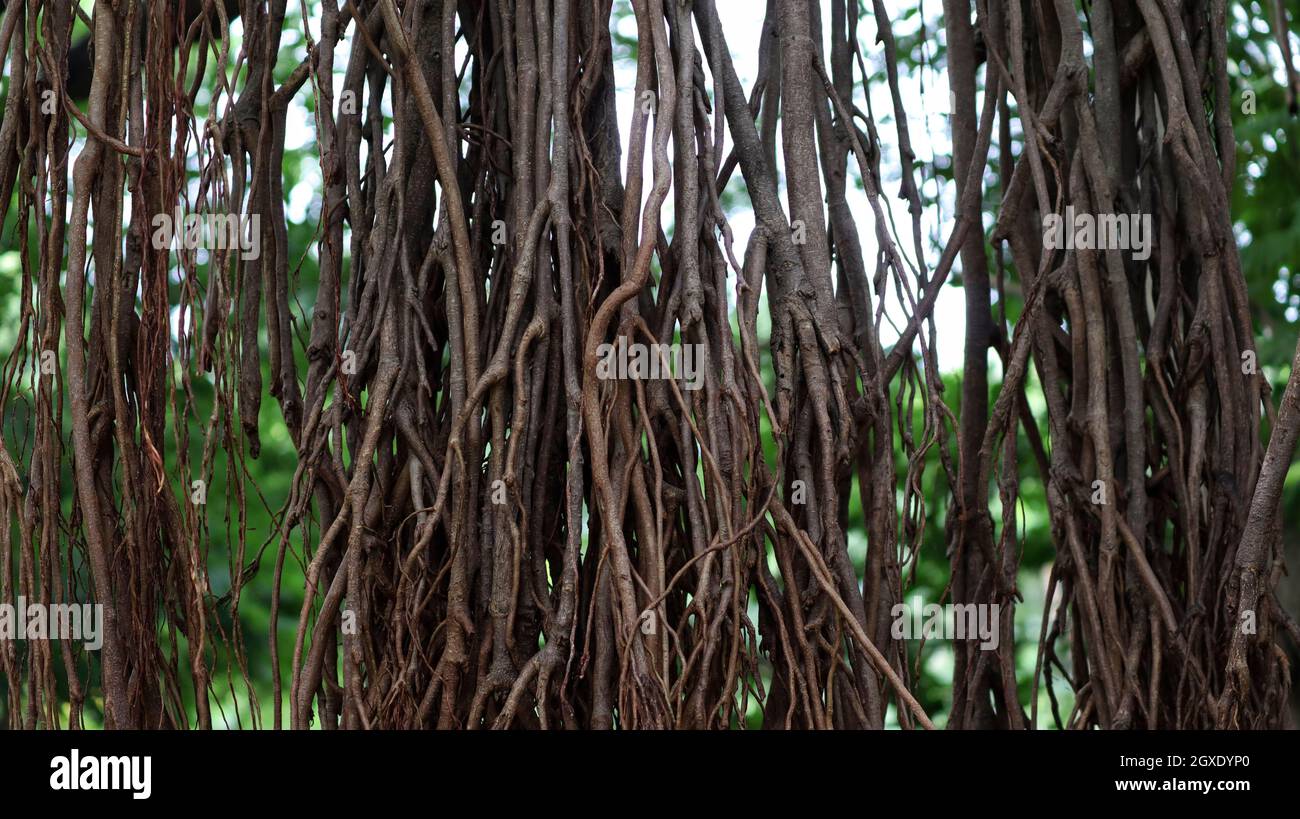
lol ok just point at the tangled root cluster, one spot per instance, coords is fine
(481, 530)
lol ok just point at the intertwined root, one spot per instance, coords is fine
(493, 523)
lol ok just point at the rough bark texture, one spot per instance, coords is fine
(493, 534)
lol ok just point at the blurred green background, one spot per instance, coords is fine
(1264, 206)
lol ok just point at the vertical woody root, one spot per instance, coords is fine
(484, 527)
